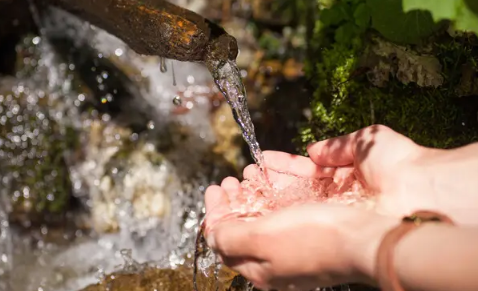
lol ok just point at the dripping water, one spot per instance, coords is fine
(174, 74)
(162, 65)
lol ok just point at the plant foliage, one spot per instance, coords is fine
(462, 13)
(400, 21)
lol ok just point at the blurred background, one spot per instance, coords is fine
(105, 153)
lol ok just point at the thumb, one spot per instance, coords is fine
(345, 150)
(334, 152)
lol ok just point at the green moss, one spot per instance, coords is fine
(345, 101)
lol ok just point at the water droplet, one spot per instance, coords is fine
(36, 40)
(118, 52)
(174, 74)
(177, 100)
(104, 100)
(151, 125)
(162, 65)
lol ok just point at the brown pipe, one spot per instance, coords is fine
(157, 27)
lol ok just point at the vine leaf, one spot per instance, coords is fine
(389, 18)
(463, 13)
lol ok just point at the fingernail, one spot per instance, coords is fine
(210, 241)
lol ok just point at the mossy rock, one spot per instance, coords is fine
(345, 100)
(180, 279)
(32, 153)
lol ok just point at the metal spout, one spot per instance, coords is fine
(157, 27)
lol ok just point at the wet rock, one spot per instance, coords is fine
(120, 168)
(386, 60)
(149, 279)
(179, 279)
(33, 149)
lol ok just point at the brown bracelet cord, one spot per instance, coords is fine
(386, 276)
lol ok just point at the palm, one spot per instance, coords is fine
(253, 248)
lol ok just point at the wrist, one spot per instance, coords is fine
(364, 244)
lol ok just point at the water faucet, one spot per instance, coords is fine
(157, 27)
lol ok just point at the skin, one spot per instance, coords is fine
(318, 245)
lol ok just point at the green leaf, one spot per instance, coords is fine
(345, 33)
(362, 16)
(335, 15)
(442, 9)
(393, 23)
(463, 13)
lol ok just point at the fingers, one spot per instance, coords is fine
(334, 152)
(252, 171)
(217, 204)
(292, 164)
(232, 186)
(344, 150)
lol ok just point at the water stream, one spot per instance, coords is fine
(228, 78)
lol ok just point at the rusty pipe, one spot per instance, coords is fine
(157, 27)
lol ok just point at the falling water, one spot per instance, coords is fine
(162, 65)
(227, 76)
(174, 74)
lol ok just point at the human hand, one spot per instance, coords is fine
(387, 163)
(304, 246)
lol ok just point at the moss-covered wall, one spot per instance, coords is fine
(419, 79)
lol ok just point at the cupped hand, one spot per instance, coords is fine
(298, 248)
(388, 165)
(321, 245)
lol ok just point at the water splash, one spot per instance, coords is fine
(130, 265)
